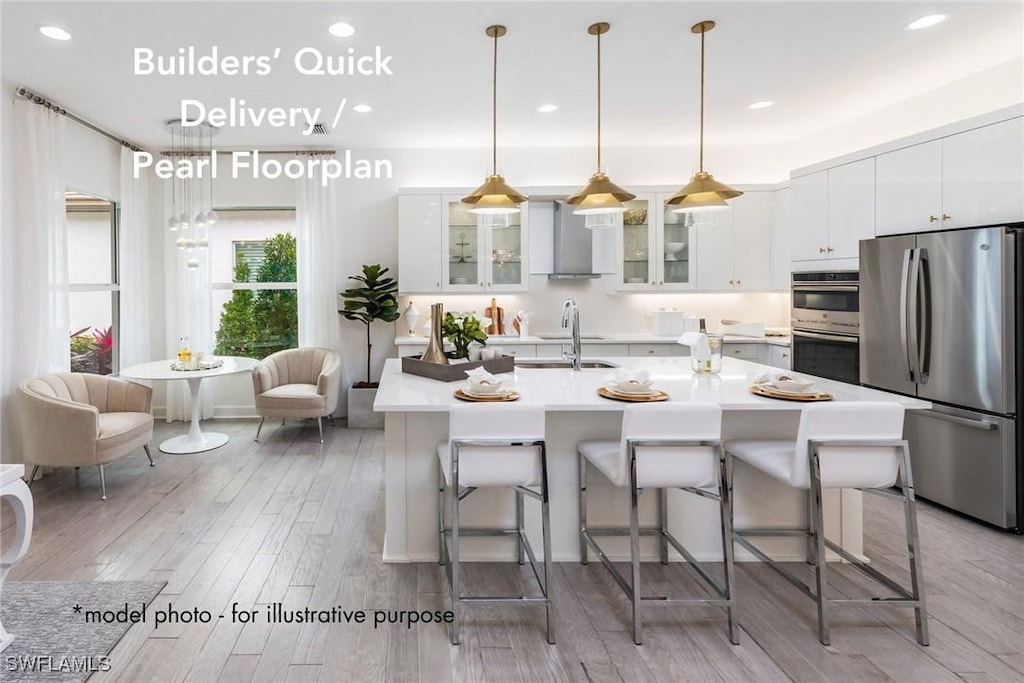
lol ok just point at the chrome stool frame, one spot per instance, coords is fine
(817, 543)
(632, 588)
(524, 549)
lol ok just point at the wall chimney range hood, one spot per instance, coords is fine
(574, 246)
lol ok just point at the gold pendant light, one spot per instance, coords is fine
(600, 199)
(703, 192)
(495, 196)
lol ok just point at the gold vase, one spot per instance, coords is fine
(435, 345)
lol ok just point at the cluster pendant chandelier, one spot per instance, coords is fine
(601, 199)
(192, 211)
(703, 192)
(495, 197)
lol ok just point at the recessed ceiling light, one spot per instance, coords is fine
(55, 32)
(926, 21)
(362, 108)
(547, 108)
(341, 29)
(763, 104)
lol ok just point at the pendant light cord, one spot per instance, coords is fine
(599, 102)
(494, 107)
(701, 155)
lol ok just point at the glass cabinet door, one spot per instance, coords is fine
(637, 270)
(675, 249)
(506, 255)
(464, 243)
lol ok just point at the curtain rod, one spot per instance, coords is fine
(43, 102)
(296, 152)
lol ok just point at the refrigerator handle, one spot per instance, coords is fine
(908, 255)
(924, 319)
(912, 312)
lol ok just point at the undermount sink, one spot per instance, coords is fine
(565, 337)
(560, 364)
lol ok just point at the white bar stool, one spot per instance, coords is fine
(665, 445)
(496, 445)
(841, 445)
(17, 493)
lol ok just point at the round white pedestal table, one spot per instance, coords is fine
(196, 441)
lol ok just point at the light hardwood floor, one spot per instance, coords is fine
(288, 520)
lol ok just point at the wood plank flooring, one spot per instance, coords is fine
(290, 521)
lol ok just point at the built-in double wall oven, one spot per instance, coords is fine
(826, 324)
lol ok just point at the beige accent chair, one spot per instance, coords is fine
(75, 419)
(297, 383)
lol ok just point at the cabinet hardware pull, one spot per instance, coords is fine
(821, 250)
(932, 219)
(731, 282)
(945, 216)
(830, 250)
(739, 282)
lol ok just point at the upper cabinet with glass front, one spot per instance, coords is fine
(483, 251)
(443, 247)
(654, 247)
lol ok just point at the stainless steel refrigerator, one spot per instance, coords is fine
(941, 319)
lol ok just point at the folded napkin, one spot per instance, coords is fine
(772, 375)
(479, 375)
(698, 343)
(625, 375)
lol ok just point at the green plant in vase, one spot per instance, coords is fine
(462, 329)
(374, 299)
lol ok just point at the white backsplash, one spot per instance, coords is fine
(601, 312)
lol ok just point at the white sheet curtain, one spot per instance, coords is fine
(189, 313)
(43, 321)
(133, 266)
(319, 278)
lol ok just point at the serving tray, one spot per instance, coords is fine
(771, 392)
(657, 395)
(500, 398)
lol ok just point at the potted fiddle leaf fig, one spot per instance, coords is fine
(373, 299)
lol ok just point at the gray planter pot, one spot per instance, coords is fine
(360, 409)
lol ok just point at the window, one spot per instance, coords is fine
(94, 289)
(255, 300)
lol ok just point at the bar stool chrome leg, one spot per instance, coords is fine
(634, 547)
(545, 515)
(663, 525)
(455, 586)
(818, 538)
(583, 508)
(728, 551)
(440, 517)
(913, 547)
(520, 529)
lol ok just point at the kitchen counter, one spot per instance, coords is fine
(598, 338)
(416, 421)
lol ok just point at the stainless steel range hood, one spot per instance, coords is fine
(574, 246)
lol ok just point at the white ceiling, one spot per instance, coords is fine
(821, 62)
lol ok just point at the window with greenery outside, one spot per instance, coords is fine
(257, 323)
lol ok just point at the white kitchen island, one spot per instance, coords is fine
(416, 421)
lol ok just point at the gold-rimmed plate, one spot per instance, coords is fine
(511, 395)
(769, 391)
(653, 397)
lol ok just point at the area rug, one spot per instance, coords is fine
(64, 631)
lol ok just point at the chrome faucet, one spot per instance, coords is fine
(571, 321)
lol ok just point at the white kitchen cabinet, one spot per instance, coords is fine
(745, 351)
(419, 243)
(782, 267)
(983, 175)
(851, 208)
(442, 247)
(657, 350)
(908, 193)
(779, 357)
(833, 210)
(733, 247)
(809, 214)
(752, 238)
(654, 247)
(592, 350)
(963, 180)
(482, 252)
